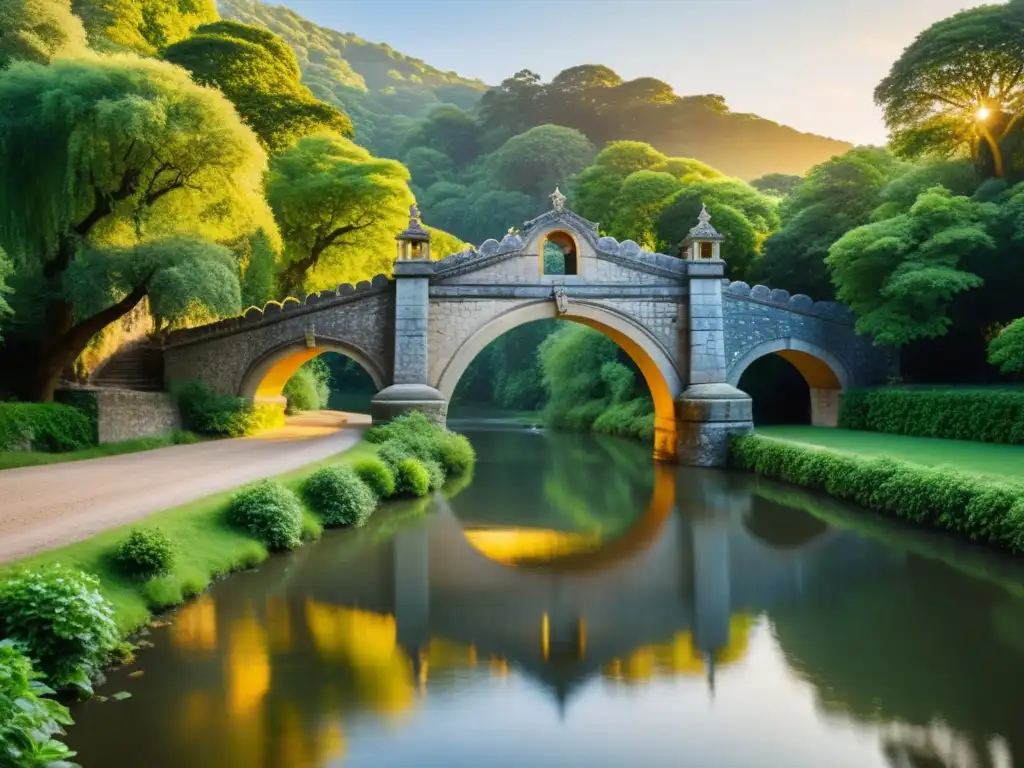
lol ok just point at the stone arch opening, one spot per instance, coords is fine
(559, 253)
(651, 358)
(825, 374)
(267, 376)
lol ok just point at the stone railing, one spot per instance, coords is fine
(799, 302)
(275, 311)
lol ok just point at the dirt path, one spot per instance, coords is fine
(50, 506)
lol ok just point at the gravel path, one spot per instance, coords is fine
(51, 506)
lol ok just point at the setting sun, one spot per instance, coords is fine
(983, 113)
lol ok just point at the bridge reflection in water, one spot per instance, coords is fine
(322, 652)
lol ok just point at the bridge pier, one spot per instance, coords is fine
(710, 409)
(410, 391)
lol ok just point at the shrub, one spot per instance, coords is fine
(393, 453)
(205, 412)
(975, 507)
(50, 427)
(984, 415)
(455, 453)
(147, 552)
(339, 496)
(29, 720)
(376, 474)
(59, 616)
(436, 474)
(408, 426)
(270, 512)
(412, 478)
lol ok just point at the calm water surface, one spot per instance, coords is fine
(575, 606)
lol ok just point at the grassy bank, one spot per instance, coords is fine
(976, 505)
(208, 547)
(1003, 462)
(15, 459)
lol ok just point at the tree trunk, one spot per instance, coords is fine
(59, 352)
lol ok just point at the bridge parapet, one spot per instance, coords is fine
(801, 303)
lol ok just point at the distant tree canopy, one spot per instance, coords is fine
(959, 88)
(141, 26)
(536, 161)
(38, 30)
(92, 199)
(259, 74)
(778, 184)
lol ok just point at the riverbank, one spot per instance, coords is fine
(981, 503)
(18, 459)
(52, 506)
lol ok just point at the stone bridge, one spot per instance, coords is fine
(691, 332)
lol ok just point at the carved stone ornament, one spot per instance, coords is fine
(561, 299)
(557, 200)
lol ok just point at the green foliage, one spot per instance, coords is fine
(147, 552)
(38, 30)
(982, 415)
(49, 427)
(968, 505)
(5, 272)
(1007, 349)
(309, 388)
(933, 92)
(338, 208)
(339, 496)
(454, 453)
(65, 625)
(258, 254)
(900, 274)
(412, 478)
(270, 512)
(30, 720)
(637, 204)
(377, 475)
(535, 161)
(260, 75)
(436, 474)
(207, 413)
(777, 184)
(141, 26)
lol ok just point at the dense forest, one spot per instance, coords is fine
(162, 166)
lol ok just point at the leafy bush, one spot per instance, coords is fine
(270, 512)
(412, 478)
(436, 474)
(50, 427)
(411, 426)
(205, 412)
(376, 474)
(147, 552)
(59, 616)
(455, 453)
(984, 415)
(338, 495)
(29, 720)
(978, 508)
(309, 388)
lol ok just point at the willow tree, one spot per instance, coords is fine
(259, 74)
(959, 85)
(339, 209)
(97, 158)
(38, 30)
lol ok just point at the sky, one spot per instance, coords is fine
(810, 64)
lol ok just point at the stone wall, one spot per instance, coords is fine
(123, 414)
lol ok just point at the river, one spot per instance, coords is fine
(575, 605)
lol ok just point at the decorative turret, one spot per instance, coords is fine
(704, 242)
(414, 240)
(557, 200)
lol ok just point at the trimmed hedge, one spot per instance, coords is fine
(270, 511)
(376, 474)
(147, 552)
(49, 427)
(975, 507)
(207, 413)
(982, 415)
(339, 496)
(412, 478)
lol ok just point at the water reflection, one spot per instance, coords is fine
(574, 605)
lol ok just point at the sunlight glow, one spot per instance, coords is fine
(983, 113)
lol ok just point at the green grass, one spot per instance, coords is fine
(14, 459)
(1005, 462)
(207, 548)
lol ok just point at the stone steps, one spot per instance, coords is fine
(139, 368)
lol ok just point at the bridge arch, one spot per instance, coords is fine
(654, 361)
(826, 375)
(265, 378)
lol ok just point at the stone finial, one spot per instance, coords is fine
(704, 230)
(414, 240)
(557, 200)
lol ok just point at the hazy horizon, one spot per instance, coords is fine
(804, 63)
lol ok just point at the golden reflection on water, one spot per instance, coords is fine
(248, 664)
(195, 626)
(678, 657)
(512, 546)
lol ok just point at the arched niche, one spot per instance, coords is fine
(569, 245)
(653, 360)
(266, 377)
